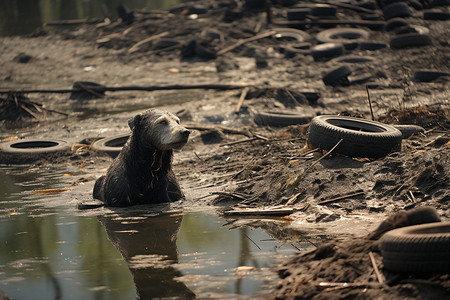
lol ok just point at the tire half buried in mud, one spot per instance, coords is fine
(111, 145)
(34, 146)
(360, 137)
(417, 249)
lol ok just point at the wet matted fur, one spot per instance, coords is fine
(142, 172)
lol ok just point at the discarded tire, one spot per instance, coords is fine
(437, 15)
(396, 10)
(291, 34)
(410, 29)
(111, 145)
(395, 23)
(427, 76)
(342, 35)
(360, 137)
(410, 40)
(417, 249)
(280, 119)
(43, 146)
(297, 14)
(371, 45)
(323, 10)
(327, 51)
(337, 76)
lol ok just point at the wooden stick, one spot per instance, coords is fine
(100, 89)
(241, 99)
(375, 267)
(242, 42)
(370, 102)
(341, 198)
(136, 46)
(328, 153)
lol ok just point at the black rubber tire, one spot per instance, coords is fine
(34, 146)
(298, 14)
(417, 249)
(323, 10)
(428, 75)
(343, 35)
(437, 15)
(111, 145)
(395, 23)
(361, 137)
(280, 119)
(371, 45)
(337, 76)
(412, 29)
(410, 40)
(396, 10)
(327, 51)
(291, 34)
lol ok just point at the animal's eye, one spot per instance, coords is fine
(178, 121)
(163, 122)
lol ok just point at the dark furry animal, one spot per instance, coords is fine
(142, 172)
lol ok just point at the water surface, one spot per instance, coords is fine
(25, 16)
(50, 251)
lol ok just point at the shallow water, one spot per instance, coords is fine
(51, 250)
(25, 16)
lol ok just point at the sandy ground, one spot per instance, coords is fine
(267, 166)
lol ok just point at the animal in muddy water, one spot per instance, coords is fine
(142, 172)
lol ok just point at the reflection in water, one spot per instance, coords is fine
(47, 249)
(148, 245)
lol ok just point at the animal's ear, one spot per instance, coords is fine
(133, 122)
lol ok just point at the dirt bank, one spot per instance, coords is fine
(231, 161)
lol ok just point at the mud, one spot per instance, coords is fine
(230, 160)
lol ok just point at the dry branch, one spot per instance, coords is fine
(242, 42)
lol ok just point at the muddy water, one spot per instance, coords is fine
(25, 16)
(51, 250)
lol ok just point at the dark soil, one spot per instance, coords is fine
(233, 162)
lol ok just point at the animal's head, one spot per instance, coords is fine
(160, 129)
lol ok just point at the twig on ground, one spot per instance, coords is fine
(413, 199)
(327, 154)
(224, 129)
(370, 102)
(198, 157)
(136, 46)
(341, 198)
(242, 42)
(375, 267)
(241, 99)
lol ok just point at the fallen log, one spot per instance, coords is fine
(101, 89)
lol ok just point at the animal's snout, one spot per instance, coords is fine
(185, 133)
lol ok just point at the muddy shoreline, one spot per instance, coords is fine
(231, 161)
